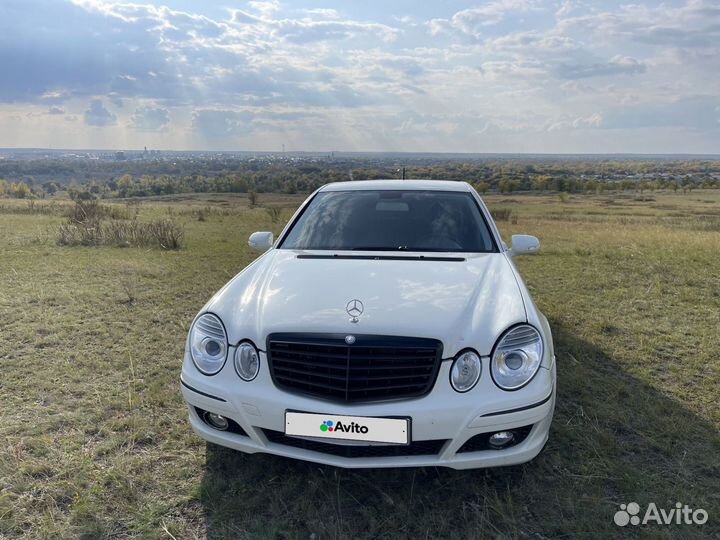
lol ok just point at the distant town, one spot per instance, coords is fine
(41, 173)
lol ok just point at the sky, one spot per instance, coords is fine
(566, 76)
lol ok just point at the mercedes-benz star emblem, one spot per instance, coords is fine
(349, 340)
(354, 309)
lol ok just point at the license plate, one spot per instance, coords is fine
(348, 428)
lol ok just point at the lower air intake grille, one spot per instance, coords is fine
(415, 448)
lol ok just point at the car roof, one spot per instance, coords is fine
(400, 185)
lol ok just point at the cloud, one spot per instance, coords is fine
(323, 13)
(473, 21)
(72, 52)
(618, 65)
(594, 120)
(266, 9)
(219, 123)
(534, 43)
(238, 16)
(380, 65)
(549, 56)
(98, 116)
(310, 31)
(176, 58)
(566, 8)
(695, 113)
(695, 24)
(150, 119)
(227, 123)
(321, 25)
(491, 75)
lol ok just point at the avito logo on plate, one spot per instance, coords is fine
(329, 425)
(349, 428)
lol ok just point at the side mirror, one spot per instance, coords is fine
(261, 241)
(523, 244)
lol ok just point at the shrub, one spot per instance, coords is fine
(275, 212)
(91, 211)
(86, 226)
(78, 234)
(86, 211)
(501, 214)
(168, 234)
(481, 187)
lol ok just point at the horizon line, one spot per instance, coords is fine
(359, 152)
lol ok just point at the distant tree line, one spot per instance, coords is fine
(305, 175)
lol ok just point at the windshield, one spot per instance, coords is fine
(383, 220)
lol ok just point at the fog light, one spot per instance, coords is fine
(215, 420)
(501, 439)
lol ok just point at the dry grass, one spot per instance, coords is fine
(91, 211)
(92, 224)
(501, 214)
(275, 213)
(94, 431)
(49, 208)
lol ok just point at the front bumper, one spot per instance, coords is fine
(259, 408)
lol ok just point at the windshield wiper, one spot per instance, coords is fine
(406, 248)
(380, 248)
(335, 256)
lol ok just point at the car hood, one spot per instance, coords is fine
(467, 302)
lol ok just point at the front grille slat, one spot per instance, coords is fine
(290, 381)
(373, 368)
(311, 363)
(404, 377)
(393, 359)
(387, 387)
(389, 368)
(310, 372)
(314, 354)
(307, 343)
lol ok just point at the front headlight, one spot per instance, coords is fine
(465, 371)
(247, 361)
(517, 357)
(208, 344)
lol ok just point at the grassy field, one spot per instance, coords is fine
(95, 441)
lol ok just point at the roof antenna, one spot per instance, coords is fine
(403, 173)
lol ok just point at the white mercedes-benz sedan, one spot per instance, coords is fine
(387, 326)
